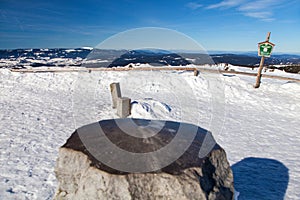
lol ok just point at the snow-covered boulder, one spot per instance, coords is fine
(82, 176)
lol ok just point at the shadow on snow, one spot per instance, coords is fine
(260, 178)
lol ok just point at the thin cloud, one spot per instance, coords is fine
(255, 9)
(193, 5)
(265, 16)
(259, 5)
(226, 4)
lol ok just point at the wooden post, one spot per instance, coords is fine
(257, 84)
(261, 65)
(196, 72)
(115, 93)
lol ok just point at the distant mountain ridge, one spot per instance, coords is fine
(22, 58)
(252, 60)
(40, 53)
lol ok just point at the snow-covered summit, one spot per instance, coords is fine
(261, 125)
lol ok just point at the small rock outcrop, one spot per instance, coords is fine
(83, 172)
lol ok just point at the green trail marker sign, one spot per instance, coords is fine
(265, 48)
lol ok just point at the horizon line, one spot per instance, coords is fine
(178, 50)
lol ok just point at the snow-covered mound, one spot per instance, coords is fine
(37, 112)
(151, 109)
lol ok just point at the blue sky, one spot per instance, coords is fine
(229, 25)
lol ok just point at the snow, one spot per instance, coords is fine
(39, 111)
(70, 50)
(88, 48)
(85, 61)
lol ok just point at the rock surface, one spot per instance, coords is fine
(82, 176)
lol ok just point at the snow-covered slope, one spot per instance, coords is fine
(38, 112)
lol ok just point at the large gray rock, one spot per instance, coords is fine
(82, 176)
